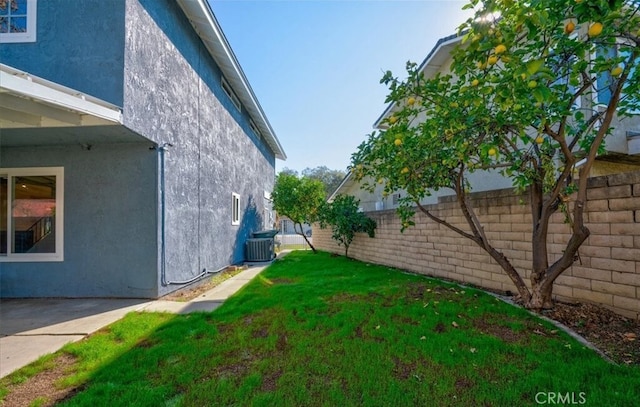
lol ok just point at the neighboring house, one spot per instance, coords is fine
(134, 155)
(288, 227)
(622, 146)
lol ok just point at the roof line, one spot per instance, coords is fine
(235, 74)
(344, 181)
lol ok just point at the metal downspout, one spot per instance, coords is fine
(163, 225)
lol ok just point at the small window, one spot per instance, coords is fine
(254, 128)
(18, 20)
(227, 89)
(31, 214)
(395, 199)
(235, 209)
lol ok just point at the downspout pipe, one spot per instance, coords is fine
(162, 149)
(163, 263)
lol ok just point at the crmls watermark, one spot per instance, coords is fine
(555, 397)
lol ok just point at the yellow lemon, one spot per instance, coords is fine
(492, 151)
(405, 170)
(398, 142)
(411, 101)
(500, 49)
(569, 27)
(492, 60)
(393, 119)
(617, 71)
(539, 139)
(595, 29)
(475, 82)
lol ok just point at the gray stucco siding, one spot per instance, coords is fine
(85, 54)
(110, 224)
(173, 94)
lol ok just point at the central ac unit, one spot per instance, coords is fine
(260, 250)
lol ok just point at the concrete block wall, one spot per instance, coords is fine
(607, 271)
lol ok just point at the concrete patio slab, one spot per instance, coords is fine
(31, 328)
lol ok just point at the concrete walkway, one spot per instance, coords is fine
(30, 328)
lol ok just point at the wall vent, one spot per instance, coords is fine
(260, 250)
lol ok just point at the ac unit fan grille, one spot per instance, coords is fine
(260, 250)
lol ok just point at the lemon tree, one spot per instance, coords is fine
(534, 90)
(298, 198)
(345, 219)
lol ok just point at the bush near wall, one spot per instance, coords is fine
(607, 272)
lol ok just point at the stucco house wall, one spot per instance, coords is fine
(84, 53)
(173, 94)
(110, 244)
(139, 219)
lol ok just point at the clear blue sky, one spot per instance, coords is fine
(315, 66)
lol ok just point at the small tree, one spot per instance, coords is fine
(346, 220)
(299, 199)
(520, 100)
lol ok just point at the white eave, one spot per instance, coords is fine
(29, 101)
(431, 65)
(346, 180)
(206, 26)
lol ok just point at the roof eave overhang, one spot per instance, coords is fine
(29, 101)
(208, 29)
(346, 180)
(429, 67)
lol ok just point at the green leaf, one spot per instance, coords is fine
(537, 94)
(534, 66)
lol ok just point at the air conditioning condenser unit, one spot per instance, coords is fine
(260, 249)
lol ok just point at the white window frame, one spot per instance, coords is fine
(30, 34)
(229, 92)
(235, 209)
(58, 172)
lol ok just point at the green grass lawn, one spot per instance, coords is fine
(328, 331)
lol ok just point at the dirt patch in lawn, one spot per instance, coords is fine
(403, 370)
(270, 380)
(197, 289)
(42, 387)
(502, 332)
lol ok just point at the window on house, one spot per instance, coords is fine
(31, 214)
(227, 89)
(605, 82)
(235, 209)
(254, 128)
(395, 199)
(18, 20)
(268, 211)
